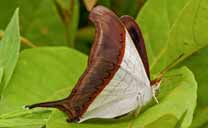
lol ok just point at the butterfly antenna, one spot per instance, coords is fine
(167, 68)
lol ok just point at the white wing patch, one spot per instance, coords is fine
(129, 89)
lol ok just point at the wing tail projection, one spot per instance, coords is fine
(57, 104)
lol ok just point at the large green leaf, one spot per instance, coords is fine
(39, 73)
(167, 120)
(198, 63)
(173, 101)
(9, 50)
(200, 118)
(173, 28)
(37, 79)
(34, 118)
(24, 121)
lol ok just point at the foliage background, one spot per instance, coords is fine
(56, 37)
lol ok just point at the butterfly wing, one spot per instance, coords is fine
(104, 60)
(128, 89)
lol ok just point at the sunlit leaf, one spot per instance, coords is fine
(167, 120)
(9, 50)
(173, 28)
(49, 70)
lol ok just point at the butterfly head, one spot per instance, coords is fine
(156, 82)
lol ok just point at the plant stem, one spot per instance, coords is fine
(23, 40)
(70, 18)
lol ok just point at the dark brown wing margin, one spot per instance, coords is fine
(104, 60)
(138, 40)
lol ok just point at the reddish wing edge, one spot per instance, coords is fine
(104, 60)
(136, 35)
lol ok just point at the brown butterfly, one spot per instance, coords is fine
(117, 78)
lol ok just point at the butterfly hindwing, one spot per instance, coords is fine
(136, 36)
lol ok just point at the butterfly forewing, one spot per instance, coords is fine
(128, 89)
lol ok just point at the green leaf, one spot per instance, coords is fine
(198, 64)
(40, 22)
(173, 28)
(29, 118)
(200, 118)
(166, 120)
(9, 50)
(173, 100)
(7, 123)
(50, 69)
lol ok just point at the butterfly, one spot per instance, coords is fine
(117, 78)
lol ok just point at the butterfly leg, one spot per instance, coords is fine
(155, 98)
(154, 89)
(137, 111)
